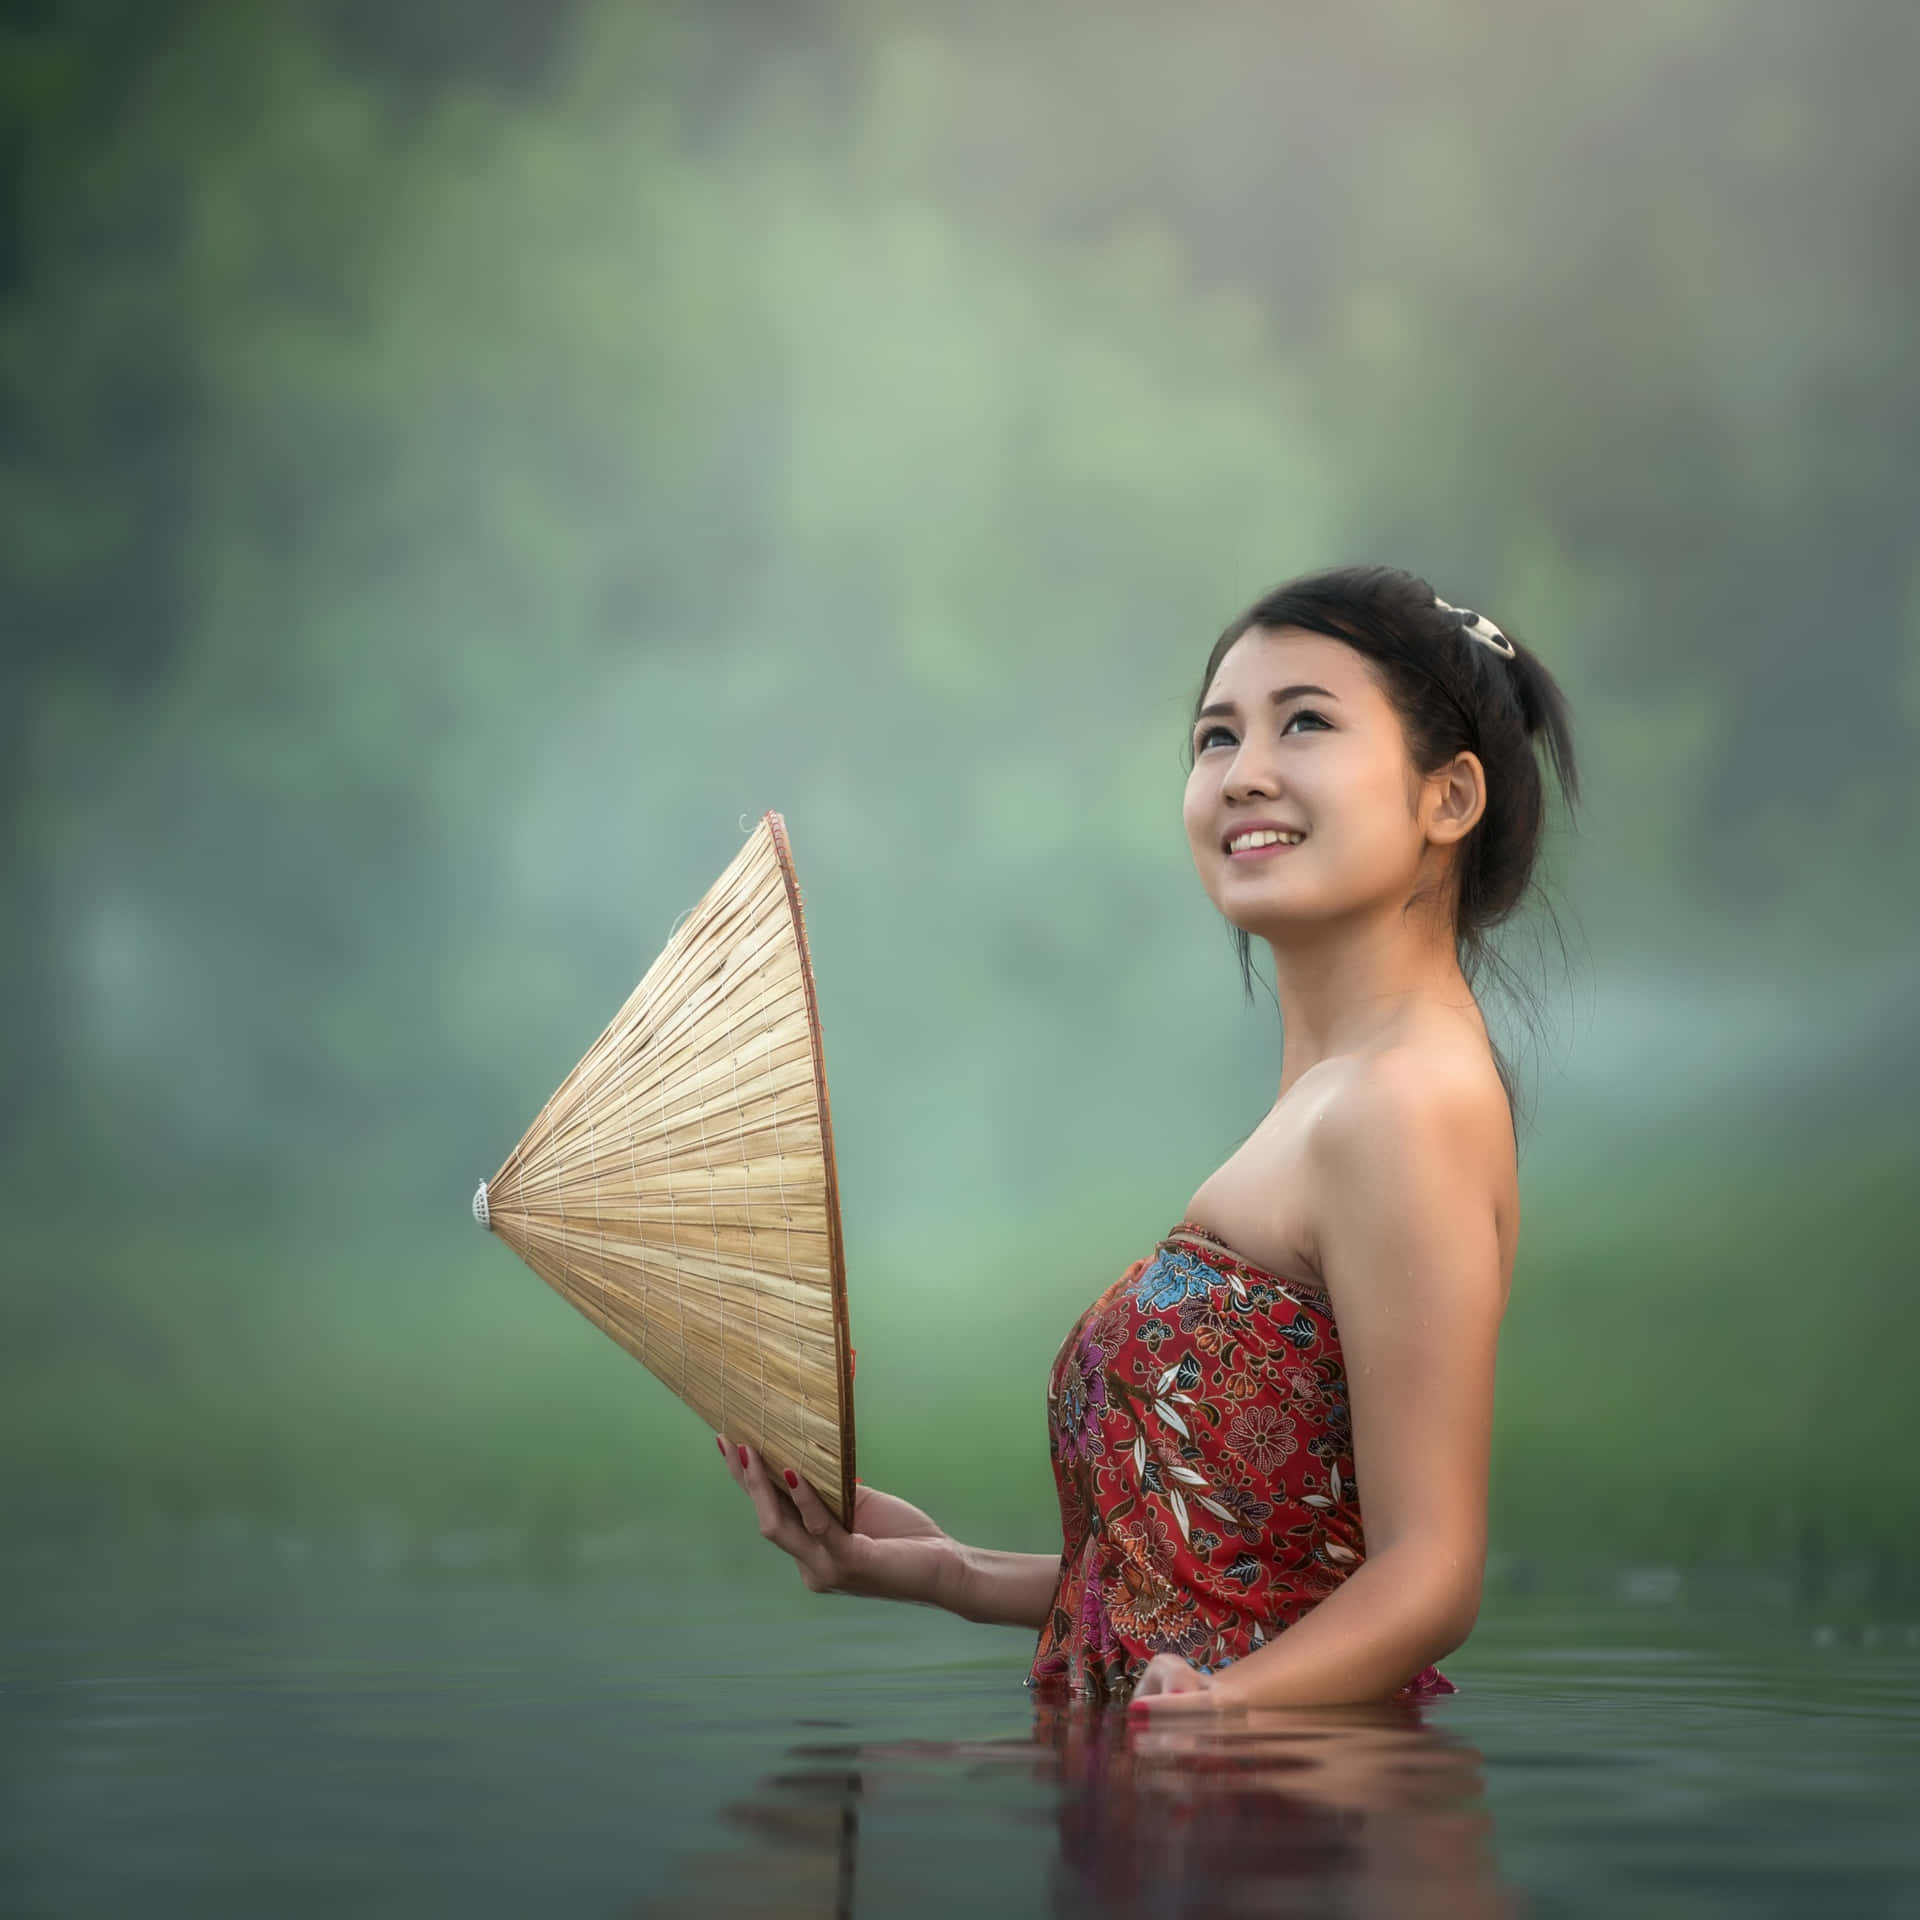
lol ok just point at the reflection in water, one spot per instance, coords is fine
(1357, 1810)
(1347, 1811)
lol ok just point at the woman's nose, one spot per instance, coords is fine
(1248, 778)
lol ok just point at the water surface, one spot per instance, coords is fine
(255, 1734)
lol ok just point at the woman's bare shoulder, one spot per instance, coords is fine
(1417, 1088)
(1416, 1114)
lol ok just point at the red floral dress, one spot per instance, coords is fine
(1203, 1452)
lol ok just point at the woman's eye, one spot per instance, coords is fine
(1305, 713)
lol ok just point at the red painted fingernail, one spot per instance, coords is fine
(721, 1444)
(793, 1479)
(743, 1456)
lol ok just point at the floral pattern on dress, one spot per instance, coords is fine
(1203, 1454)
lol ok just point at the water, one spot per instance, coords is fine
(250, 1735)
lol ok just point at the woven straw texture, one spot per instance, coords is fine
(679, 1186)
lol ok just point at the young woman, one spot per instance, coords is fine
(1317, 1333)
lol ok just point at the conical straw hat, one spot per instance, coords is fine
(679, 1187)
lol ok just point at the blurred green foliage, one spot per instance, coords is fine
(457, 462)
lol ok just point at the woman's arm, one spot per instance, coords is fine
(1004, 1589)
(893, 1551)
(1403, 1172)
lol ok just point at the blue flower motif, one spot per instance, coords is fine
(1171, 1277)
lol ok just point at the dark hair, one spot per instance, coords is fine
(1452, 693)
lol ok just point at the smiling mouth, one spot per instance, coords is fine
(1250, 846)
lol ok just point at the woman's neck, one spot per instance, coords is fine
(1362, 991)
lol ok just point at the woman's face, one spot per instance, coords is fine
(1296, 733)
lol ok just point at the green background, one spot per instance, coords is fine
(458, 464)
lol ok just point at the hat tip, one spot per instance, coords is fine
(480, 1212)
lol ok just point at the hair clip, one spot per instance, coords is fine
(1480, 627)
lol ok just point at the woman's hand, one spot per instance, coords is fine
(893, 1551)
(1168, 1684)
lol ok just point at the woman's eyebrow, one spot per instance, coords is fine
(1279, 694)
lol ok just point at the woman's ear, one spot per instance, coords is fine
(1457, 797)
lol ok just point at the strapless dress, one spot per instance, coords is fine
(1203, 1453)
